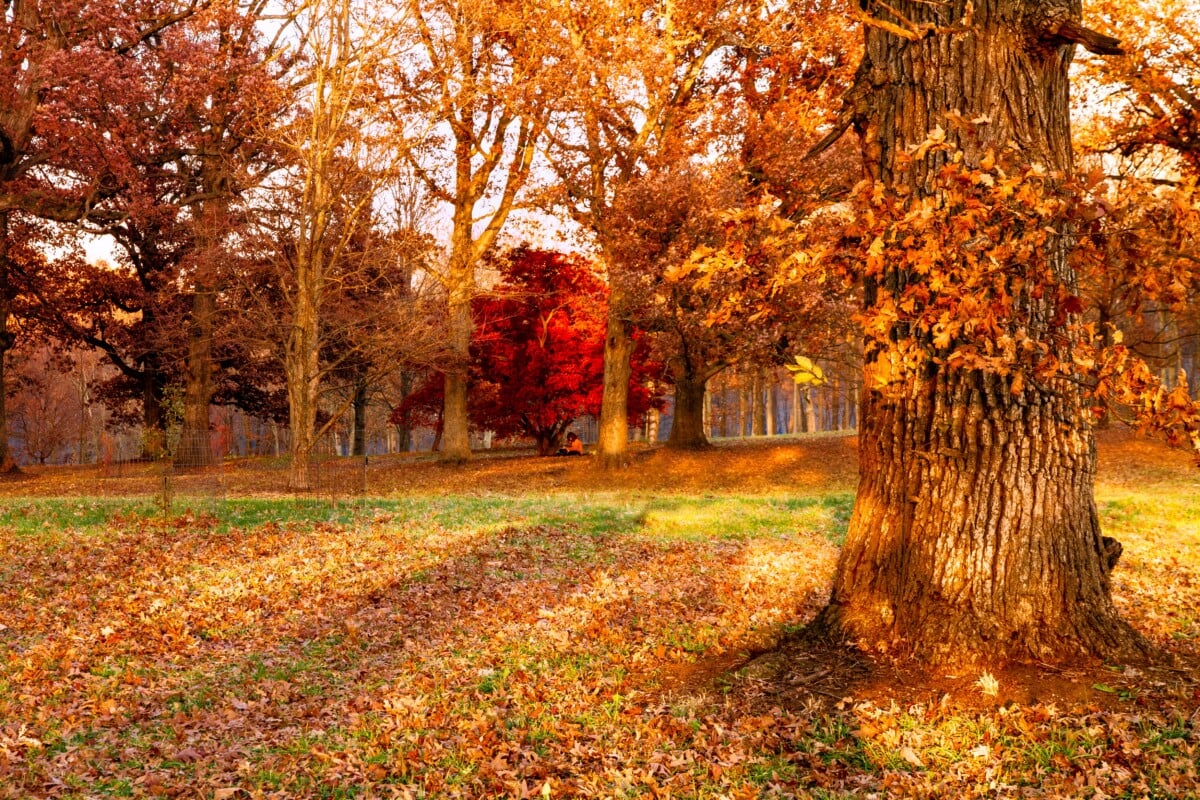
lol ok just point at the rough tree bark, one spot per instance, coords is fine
(758, 406)
(154, 394)
(456, 441)
(301, 364)
(687, 426)
(974, 536)
(612, 443)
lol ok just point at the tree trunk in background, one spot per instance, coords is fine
(741, 409)
(359, 445)
(153, 417)
(794, 418)
(769, 403)
(191, 450)
(974, 537)
(303, 372)
(831, 409)
(758, 408)
(7, 463)
(612, 442)
(687, 429)
(403, 427)
(706, 423)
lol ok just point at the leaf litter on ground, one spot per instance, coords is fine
(555, 633)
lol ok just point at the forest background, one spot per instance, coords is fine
(305, 209)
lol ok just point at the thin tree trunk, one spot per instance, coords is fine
(706, 424)
(974, 537)
(769, 402)
(403, 427)
(758, 408)
(7, 339)
(359, 446)
(794, 421)
(741, 408)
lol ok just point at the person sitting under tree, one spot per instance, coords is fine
(572, 447)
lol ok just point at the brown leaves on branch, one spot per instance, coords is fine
(971, 283)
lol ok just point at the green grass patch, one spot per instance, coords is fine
(36, 516)
(718, 517)
(741, 518)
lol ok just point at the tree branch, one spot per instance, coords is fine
(1072, 31)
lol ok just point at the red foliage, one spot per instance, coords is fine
(538, 352)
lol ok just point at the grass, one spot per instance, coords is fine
(680, 518)
(506, 643)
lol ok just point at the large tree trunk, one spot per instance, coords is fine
(612, 444)
(194, 446)
(974, 537)
(687, 427)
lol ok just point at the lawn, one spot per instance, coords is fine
(523, 627)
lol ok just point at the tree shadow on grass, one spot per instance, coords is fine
(410, 646)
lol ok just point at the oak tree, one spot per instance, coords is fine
(62, 145)
(975, 535)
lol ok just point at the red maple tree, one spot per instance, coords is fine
(537, 352)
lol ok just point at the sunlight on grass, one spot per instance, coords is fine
(743, 518)
(471, 645)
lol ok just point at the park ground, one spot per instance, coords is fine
(523, 627)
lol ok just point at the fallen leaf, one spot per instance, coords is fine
(910, 755)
